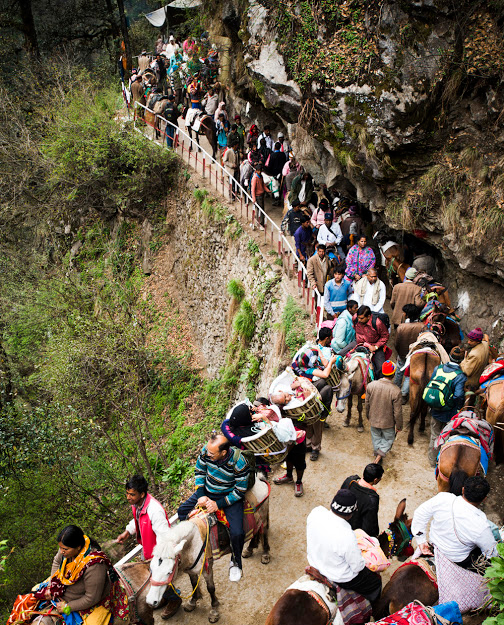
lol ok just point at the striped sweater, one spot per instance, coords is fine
(225, 481)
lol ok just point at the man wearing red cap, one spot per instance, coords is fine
(476, 358)
(384, 411)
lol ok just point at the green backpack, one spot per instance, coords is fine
(250, 458)
(439, 391)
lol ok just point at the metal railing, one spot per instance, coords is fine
(211, 170)
(314, 301)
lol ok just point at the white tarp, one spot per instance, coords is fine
(185, 4)
(157, 18)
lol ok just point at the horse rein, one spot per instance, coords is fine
(321, 603)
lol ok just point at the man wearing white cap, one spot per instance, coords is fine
(406, 292)
(285, 147)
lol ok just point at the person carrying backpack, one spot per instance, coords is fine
(444, 394)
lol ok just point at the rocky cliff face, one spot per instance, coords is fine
(397, 105)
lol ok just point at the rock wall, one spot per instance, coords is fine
(397, 105)
(205, 255)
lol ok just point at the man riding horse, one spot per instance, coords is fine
(221, 484)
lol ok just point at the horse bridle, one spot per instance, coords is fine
(171, 576)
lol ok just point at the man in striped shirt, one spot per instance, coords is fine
(221, 482)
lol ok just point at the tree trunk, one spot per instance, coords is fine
(125, 34)
(31, 42)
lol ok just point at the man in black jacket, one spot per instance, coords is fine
(368, 500)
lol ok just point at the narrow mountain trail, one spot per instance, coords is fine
(344, 452)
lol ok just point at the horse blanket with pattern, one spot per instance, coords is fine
(463, 424)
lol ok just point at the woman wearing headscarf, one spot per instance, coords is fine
(221, 110)
(83, 587)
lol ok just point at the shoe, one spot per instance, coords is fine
(285, 479)
(405, 400)
(298, 489)
(284, 466)
(171, 609)
(235, 573)
(308, 448)
(314, 455)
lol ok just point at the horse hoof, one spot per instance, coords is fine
(213, 617)
(346, 424)
(265, 558)
(247, 554)
(189, 607)
(421, 429)
(410, 441)
(360, 429)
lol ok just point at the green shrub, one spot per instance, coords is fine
(245, 321)
(236, 289)
(252, 247)
(292, 324)
(200, 194)
(495, 578)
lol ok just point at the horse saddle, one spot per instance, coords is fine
(317, 576)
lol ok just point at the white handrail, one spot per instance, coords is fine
(174, 519)
(281, 237)
(138, 549)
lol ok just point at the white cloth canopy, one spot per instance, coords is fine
(157, 18)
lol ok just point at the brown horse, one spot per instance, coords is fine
(457, 461)
(421, 366)
(358, 369)
(135, 577)
(207, 128)
(495, 416)
(297, 606)
(409, 582)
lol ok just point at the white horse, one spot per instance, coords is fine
(182, 548)
(272, 184)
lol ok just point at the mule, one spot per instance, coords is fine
(421, 367)
(206, 127)
(359, 377)
(409, 582)
(182, 548)
(295, 604)
(456, 462)
(135, 577)
(495, 416)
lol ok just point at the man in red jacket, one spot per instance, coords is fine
(149, 521)
(372, 333)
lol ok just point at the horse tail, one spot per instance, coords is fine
(457, 479)
(422, 383)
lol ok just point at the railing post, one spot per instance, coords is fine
(204, 165)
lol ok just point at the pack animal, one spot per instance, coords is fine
(184, 549)
(200, 124)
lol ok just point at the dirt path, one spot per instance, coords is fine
(344, 452)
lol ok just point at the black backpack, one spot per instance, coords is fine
(383, 317)
(250, 459)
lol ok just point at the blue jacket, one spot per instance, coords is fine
(458, 393)
(343, 331)
(335, 297)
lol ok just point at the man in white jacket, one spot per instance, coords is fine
(332, 547)
(458, 529)
(370, 291)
